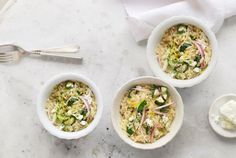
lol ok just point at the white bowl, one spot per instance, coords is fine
(214, 111)
(115, 113)
(155, 38)
(44, 95)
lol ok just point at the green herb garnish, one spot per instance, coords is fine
(148, 129)
(197, 58)
(192, 37)
(129, 130)
(78, 92)
(84, 112)
(184, 46)
(71, 101)
(141, 106)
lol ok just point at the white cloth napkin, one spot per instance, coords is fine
(4, 6)
(144, 15)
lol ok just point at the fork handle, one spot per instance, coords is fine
(49, 54)
(65, 49)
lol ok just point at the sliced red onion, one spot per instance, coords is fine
(200, 48)
(87, 100)
(88, 97)
(153, 133)
(86, 103)
(203, 64)
(163, 106)
(143, 117)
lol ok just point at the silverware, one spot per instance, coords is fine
(13, 53)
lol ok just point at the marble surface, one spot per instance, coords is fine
(111, 57)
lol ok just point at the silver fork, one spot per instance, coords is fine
(12, 53)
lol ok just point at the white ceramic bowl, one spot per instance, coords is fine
(44, 95)
(214, 111)
(115, 114)
(155, 38)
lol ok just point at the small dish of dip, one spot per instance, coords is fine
(222, 115)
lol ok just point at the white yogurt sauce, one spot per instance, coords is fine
(227, 115)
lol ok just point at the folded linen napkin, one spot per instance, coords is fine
(144, 15)
(4, 6)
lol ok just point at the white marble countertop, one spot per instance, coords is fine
(111, 57)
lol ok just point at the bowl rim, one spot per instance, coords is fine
(123, 136)
(45, 92)
(155, 37)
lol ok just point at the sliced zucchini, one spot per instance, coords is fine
(154, 86)
(71, 101)
(160, 101)
(165, 96)
(156, 93)
(70, 121)
(138, 117)
(129, 130)
(155, 90)
(172, 63)
(148, 129)
(78, 92)
(164, 110)
(141, 106)
(165, 93)
(60, 111)
(69, 85)
(164, 89)
(182, 68)
(181, 28)
(129, 94)
(180, 76)
(61, 118)
(68, 128)
(193, 37)
(184, 46)
(132, 92)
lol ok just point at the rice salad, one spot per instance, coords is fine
(184, 51)
(147, 112)
(71, 106)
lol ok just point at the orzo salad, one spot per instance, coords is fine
(184, 51)
(71, 106)
(147, 112)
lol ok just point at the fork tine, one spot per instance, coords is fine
(6, 57)
(5, 54)
(8, 53)
(6, 61)
(12, 52)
